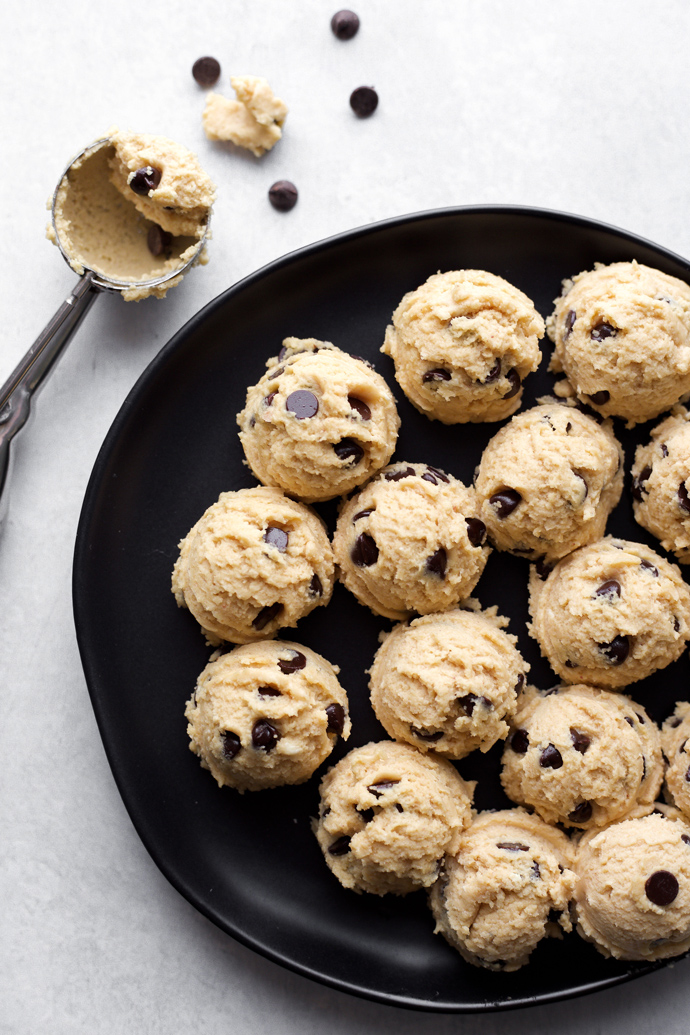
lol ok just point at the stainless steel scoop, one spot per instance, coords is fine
(32, 371)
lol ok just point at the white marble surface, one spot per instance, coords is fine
(581, 107)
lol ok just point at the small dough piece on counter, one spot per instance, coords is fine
(507, 887)
(582, 756)
(661, 484)
(448, 683)
(388, 815)
(462, 344)
(632, 898)
(266, 714)
(610, 613)
(410, 541)
(548, 480)
(622, 337)
(253, 121)
(675, 740)
(319, 422)
(254, 563)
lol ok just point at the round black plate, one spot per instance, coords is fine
(250, 863)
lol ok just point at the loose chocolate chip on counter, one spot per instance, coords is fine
(206, 71)
(570, 318)
(360, 407)
(231, 744)
(683, 498)
(315, 587)
(519, 742)
(582, 813)
(616, 651)
(515, 382)
(520, 683)
(145, 179)
(379, 788)
(430, 735)
(648, 566)
(365, 552)
(436, 563)
(603, 330)
(402, 472)
(512, 846)
(158, 240)
(476, 531)
(505, 502)
(600, 398)
(283, 195)
(543, 569)
(302, 403)
(661, 888)
(639, 481)
(294, 663)
(264, 735)
(348, 449)
(268, 691)
(493, 374)
(277, 537)
(580, 740)
(266, 615)
(336, 718)
(364, 101)
(366, 814)
(551, 758)
(437, 374)
(344, 24)
(363, 514)
(611, 589)
(340, 847)
(269, 398)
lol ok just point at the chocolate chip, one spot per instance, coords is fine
(264, 735)
(683, 498)
(399, 807)
(520, 682)
(381, 786)
(644, 768)
(519, 741)
(638, 482)
(600, 398)
(348, 449)
(277, 537)
(580, 740)
(610, 589)
(648, 566)
(145, 179)
(570, 318)
(294, 663)
(283, 195)
(344, 24)
(336, 718)
(158, 240)
(603, 330)
(536, 872)
(568, 428)
(551, 758)
(365, 552)
(364, 101)
(685, 838)
(543, 569)
(206, 71)
(476, 531)
(340, 847)
(366, 814)
(675, 722)
(676, 624)
(661, 888)
(630, 722)
(363, 514)
(616, 651)
(399, 474)
(302, 403)
(584, 482)
(466, 703)
(493, 374)
(515, 382)
(512, 846)
(664, 449)
(266, 615)
(360, 407)
(315, 587)
(437, 374)
(436, 563)
(430, 735)
(231, 744)
(640, 718)
(276, 373)
(433, 475)
(269, 398)
(582, 813)
(505, 502)
(268, 691)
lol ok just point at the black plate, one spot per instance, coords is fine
(250, 863)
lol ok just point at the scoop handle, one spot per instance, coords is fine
(31, 371)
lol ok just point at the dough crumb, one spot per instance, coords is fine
(253, 121)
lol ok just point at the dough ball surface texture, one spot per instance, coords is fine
(506, 888)
(388, 815)
(319, 422)
(463, 343)
(449, 682)
(266, 714)
(254, 563)
(582, 756)
(633, 893)
(675, 740)
(661, 484)
(622, 337)
(410, 541)
(610, 613)
(548, 481)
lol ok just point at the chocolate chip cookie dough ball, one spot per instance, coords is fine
(410, 541)
(675, 740)
(548, 481)
(507, 887)
(622, 337)
(319, 422)
(661, 484)
(610, 613)
(254, 563)
(266, 714)
(632, 898)
(388, 815)
(448, 682)
(462, 345)
(581, 756)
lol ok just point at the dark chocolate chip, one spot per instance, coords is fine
(336, 718)
(360, 407)
(315, 587)
(294, 663)
(536, 872)
(283, 195)
(231, 743)
(493, 374)
(505, 502)
(399, 474)
(340, 847)
(519, 741)
(366, 814)
(365, 552)
(512, 846)
(430, 735)
(603, 330)
(644, 768)
(344, 24)
(466, 703)
(158, 240)
(145, 179)
(683, 498)
(268, 691)
(520, 682)
(580, 740)
(363, 514)
(269, 398)
(675, 722)
(568, 428)
(302, 403)
(569, 663)
(600, 398)
(584, 482)
(610, 589)
(266, 615)
(206, 71)
(276, 373)
(630, 722)
(616, 651)
(676, 624)
(551, 758)
(639, 481)
(515, 382)
(476, 531)
(381, 786)
(436, 563)
(648, 566)
(434, 474)
(582, 813)
(661, 888)
(685, 838)
(264, 735)
(364, 101)
(277, 537)
(543, 569)
(437, 374)
(399, 807)
(640, 718)
(664, 449)
(348, 449)
(570, 318)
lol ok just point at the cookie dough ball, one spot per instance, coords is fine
(548, 481)
(254, 563)
(266, 714)
(448, 682)
(582, 756)
(388, 815)
(661, 484)
(610, 613)
(506, 888)
(622, 337)
(462, 345)
(319, 422)
(633, 891)
(675, 740)
(410, 541)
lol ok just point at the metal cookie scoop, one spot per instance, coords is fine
(31, 372)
